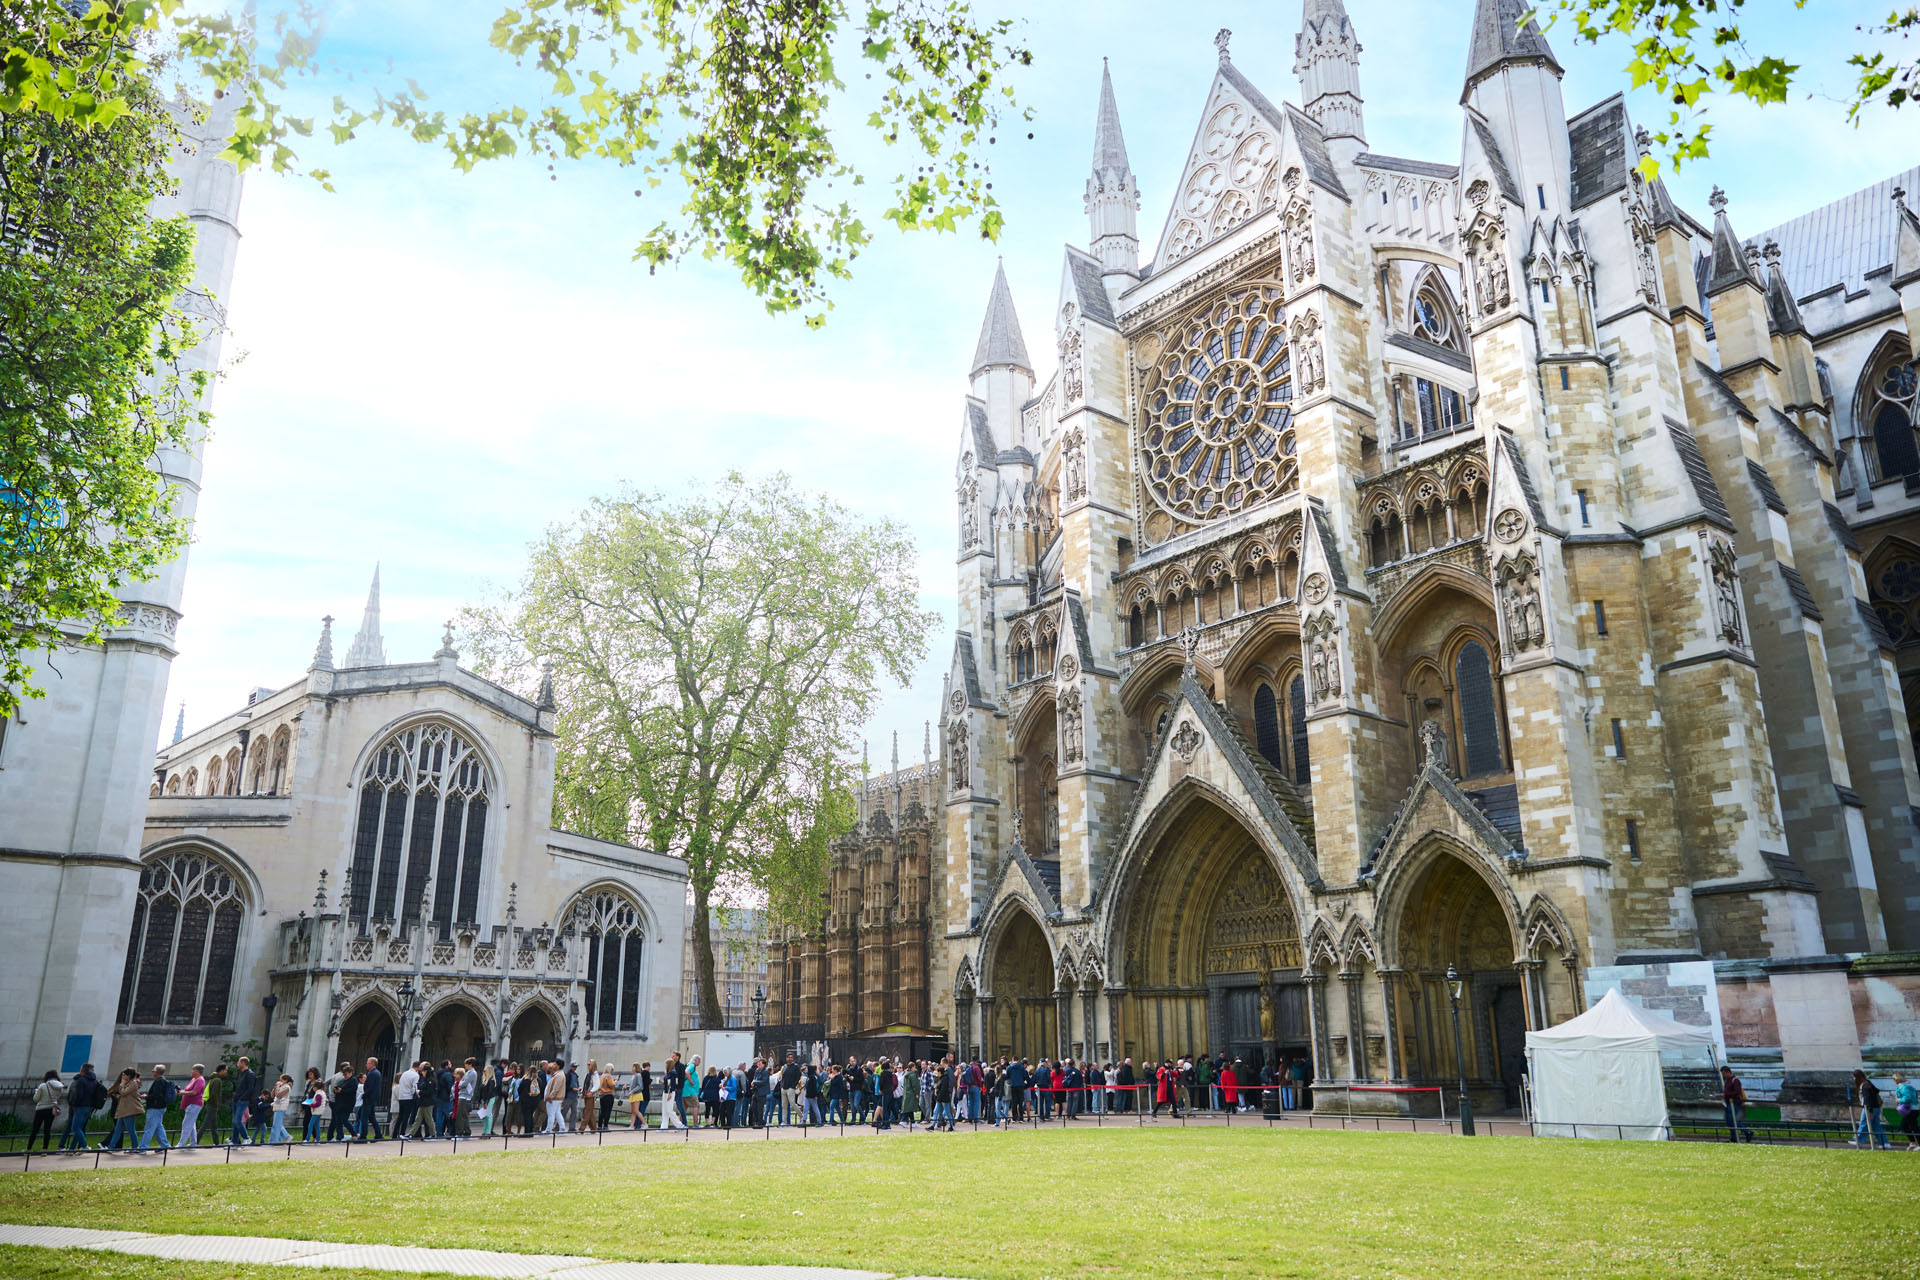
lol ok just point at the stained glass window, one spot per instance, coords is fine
(186, 931)
(1297, 722)
(1479, 710)
(1218, 436)
(423, 800)
(1266, 727)
(615, 939)
(1888, 406)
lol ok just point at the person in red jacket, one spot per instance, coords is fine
(1230, 1086)
(1166, 1089)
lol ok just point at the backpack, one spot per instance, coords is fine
(160, 1095)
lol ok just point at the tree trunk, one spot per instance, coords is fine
(708, 994)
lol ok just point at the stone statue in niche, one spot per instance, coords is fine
(1726, 593)
(1072, 378)
(1268, 1029)
(1433, 746)
(1300, 241)
(1072, 745)
(1073, 465)
(1520, 601)
(1323, 659)
(959, 766)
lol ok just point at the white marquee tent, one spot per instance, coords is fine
(1598, 1075)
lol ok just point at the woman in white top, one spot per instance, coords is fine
(282, 1099)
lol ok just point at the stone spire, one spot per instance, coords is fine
(1498, 38)
(367, 649)
(180, 723)
(1783, 311)
(1113, 197)
(545, 700)
(1326, 57)
(446, 649)
(1729, 265)
(1000, 341)
(323, 651)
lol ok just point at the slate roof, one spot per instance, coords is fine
(1800, 437)
(1797, 586)
(969, 671)
(1000, 340)
(1842, 242)
(1502, 807)
(983, 447)
(1842, 531)
(1598, 140)
(1764, 483)
(1718, 383)
(1495, 157)
(1498, 37)
(1875, 627)
(1522, 474)
(1424, 168)
(1336, 567)
(1088, 291)
(1696, 467)
(1431, 350)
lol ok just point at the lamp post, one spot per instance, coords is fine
(759, 1007)
(269, 1004)
(407, 997)
(1459, 1053)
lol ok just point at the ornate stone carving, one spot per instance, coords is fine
(1323, 658)
(1433, 746)
(970, 514)
(1072, 734)
(1073, 466)
(1519, 580)
(959, 764)
(1316, 589)
(1072, 379)
(1069, 669)
(1299, 237)
(1725, 573)
(1186, 742)
(1309, 357)
(1486, 242)
(1509, 525)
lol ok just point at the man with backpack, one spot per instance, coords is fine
(159, 1096)
(1733, 1100)
(245, 1086)
(84, 1095)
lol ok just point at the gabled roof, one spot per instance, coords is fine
(1083, 272)
(1499, 38)
(1844, 241)
(1600, 151)
(983, 447)
(1698, 473)
(1399, 164)
(1496, 159)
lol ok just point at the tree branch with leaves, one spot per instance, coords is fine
(711, 657)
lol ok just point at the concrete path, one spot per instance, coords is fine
(266, 1251)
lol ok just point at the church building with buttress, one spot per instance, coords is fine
(1476, 566)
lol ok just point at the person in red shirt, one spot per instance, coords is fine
(1230, 1086)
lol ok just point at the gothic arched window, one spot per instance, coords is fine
(616, 939)
(186, 931)
(1136, 626)
(282, 745)
(1889, 411)
(1433, 315)
(1297, 727)
(1479, 711)
(1266, 727)
(423, 813)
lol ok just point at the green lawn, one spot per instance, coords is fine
(1189, 1203)
(92, 1264)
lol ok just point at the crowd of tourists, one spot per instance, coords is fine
(427, 1102)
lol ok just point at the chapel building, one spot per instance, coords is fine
(1475, 565)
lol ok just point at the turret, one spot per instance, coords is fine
(1002, 370)
(368, 649)
(1113, 197)
(1326, 57)
(1513, 80)
(1736, 295)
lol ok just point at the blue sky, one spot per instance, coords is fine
(431, 367)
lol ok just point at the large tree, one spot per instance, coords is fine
(91, 340)
(711, 657)
(1692, 50)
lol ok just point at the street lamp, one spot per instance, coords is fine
(759, 1006)
(407, 996)
(268, 1004)
(1459, 1053)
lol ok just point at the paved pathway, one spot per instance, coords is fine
(266, 1251)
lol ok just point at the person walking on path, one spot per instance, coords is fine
(1906, 1101)
(556, 1097)
(47, 1096)
(158, 1097)
(640, 1093)
(193, 1097)
(1733, 1101)
(1871, 1132)
(245, 1085)
(346, 1088)
(84, 1096)
(371, 1097)
(317, 1103)
(219, 1101)
(278, 1103)
(125, 1096)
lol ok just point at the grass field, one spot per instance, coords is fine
(1187, 1203)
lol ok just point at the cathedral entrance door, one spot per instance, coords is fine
(1450, 917)
(454, 1033)
(1025, 1017)
(1510, 1038)
(534, 1036)
(368, 1033)
(1206, 921)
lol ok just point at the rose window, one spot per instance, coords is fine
(1219, 436)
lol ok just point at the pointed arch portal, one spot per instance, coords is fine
(1210, 947)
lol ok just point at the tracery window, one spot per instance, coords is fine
(423, 799)
(1893, 584)
(277, 779)
(1297, 729)
(1479, 710)
(186, 931)
(1219, 435)
(1888, 409)
(1434, 316)
(233, 772)
(213, 776)
(1266, 727)
(616, 937)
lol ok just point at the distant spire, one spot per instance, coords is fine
(180, 723)
(1113, 196)
(1499, 38)
(367, 649)
(323, 651)
(1000, 341)
(1729, 265)
(896, 758)
(1783, 311)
